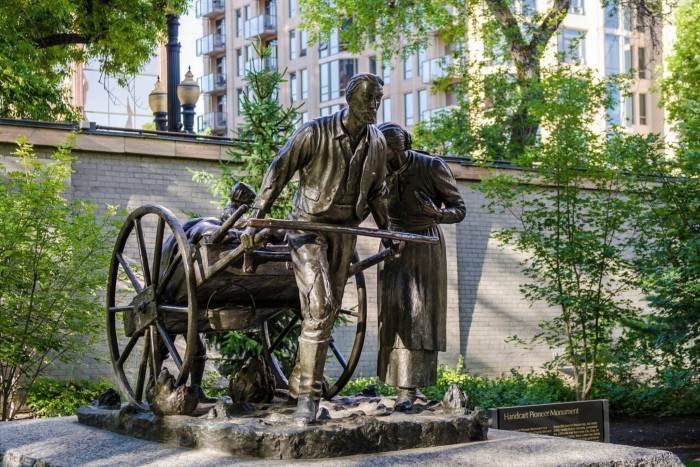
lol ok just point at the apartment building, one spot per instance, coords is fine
(609, 40)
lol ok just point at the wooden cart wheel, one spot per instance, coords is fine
(136, 310)
(342, 360)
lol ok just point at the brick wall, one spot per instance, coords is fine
(484, 304)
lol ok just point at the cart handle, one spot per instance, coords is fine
(342, 229)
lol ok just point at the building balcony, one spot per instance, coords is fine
(264, 26)
(215, 121)
(440, 67)
(209, 8)
(213, 82)
(258, 64)
(432, 113)
(211, 44)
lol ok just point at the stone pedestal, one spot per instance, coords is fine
(347, 426)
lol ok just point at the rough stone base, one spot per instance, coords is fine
(348, 426)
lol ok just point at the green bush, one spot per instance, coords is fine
(51, 398)
(355, 386)
(511, 390)
(671, 391)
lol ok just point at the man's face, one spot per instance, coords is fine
(364, 102)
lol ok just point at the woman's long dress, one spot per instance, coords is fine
(413, 286)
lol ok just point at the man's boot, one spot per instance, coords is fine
(293, 383)
(405, 399)
(196, 376)
(312, 358)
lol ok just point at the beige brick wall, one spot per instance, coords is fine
(484, 304)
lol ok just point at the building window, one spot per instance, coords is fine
(220, 26)
(304, 117)
(643, 109)
(612, 17)
(386, 110)
(292, 44)
(408, 66)
(408, 108)
(422, 103)
(420, 58)
(292, 8)
(249, 53)
(629, 110)
(372, 65)
(334, 76)
(293, 87)
(239, 22)
(304, 82)
(221, 103)
(221, 65)
(239, 100)
(612, 54)
(642, 63)
(386, 73)
(240, 66)
(571, 46)
(303, 42)
(330, 46)
(576, 7)
(331, 109)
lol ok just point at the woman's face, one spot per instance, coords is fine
(396, 144)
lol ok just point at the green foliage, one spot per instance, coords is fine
(53, 258)
(51, 398)
(671, 391)
(357, 385)
(211, 384)
(579, 233)
(40, 41)
(680, 93)
(514, 389)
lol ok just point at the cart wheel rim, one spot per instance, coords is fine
(149, 339)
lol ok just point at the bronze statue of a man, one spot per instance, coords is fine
(413, 287)
(341, 161)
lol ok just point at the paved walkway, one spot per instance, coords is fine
(64, 442)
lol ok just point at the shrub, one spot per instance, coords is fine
(51, 398)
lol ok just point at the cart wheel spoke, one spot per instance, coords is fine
(120, 309)
(338, 355)
(172, 267)
(142, 252)
(344, 311)
(143, 364)
(285, 332)
(127, 349)
(158, 249)
(129, 273)
(170, 345)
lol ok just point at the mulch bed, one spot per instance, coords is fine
(680, 435)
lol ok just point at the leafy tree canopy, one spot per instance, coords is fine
(39, 41)
(512, 33)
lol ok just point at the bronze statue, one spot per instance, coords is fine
(413, 286)
(341, 164)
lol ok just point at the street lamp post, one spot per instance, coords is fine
(173, 64)
(158, 102)
(188, 92)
